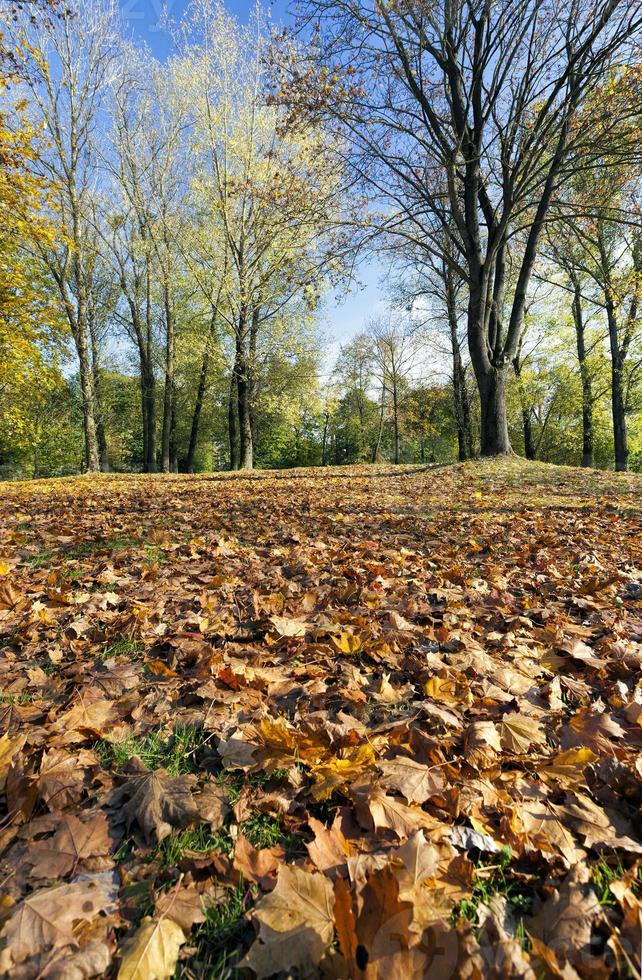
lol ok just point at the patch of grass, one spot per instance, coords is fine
(602, 875)
(177, 754)
(495, 879)
(24, 698)
(200, 839)
(38, 561)
(124, 647)
(220, 941)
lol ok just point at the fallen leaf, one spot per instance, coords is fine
(152, 952)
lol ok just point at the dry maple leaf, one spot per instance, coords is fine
(296, 923)
(383, 931)
(592, 729)
(565, 922)
(289, 627)
(520, 732)
(260, 867)
(598, 828)
(415, 781)
(329, 850)
(47, 917)
(61, 779)
(88, 717)
(152, 952)
(158, 802)
(338, 772)
(187, 904)
(391, 813)
(74, 841)
(213, 803)
(483, 744)
(8, 749)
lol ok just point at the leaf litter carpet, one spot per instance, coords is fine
(353, 723)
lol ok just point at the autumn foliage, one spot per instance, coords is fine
(356, 723)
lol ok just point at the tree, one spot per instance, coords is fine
(266, 199)
(32, 337)
(67, 86)
(394, 353)
(463, 116)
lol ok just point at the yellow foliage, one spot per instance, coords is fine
(30, 324)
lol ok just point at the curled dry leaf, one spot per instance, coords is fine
(520, 733)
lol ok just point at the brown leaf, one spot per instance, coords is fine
(390, 813)
(520, 732)
(260, 867)
(213, 805)
(329, 850)
(565, 922)
(48, 916)
(413, 780)
(296, 923)
(159, 803)
(482, 745)
(74, 841)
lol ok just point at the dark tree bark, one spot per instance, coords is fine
(527, 421)
(619, 343)
(377, 446)
(101, 435)
(585, 374)
(232, 419)
(200, 395)
(324, 444)
(460, 392)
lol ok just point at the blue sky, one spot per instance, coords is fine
(340, 319)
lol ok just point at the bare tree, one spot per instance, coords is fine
(394, 354)
(463, 116)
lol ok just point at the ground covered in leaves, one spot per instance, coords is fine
(368, 723)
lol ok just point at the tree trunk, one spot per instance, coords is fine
(168, 397)
(200, 395)
(101, 437)
(527, 421)
(235, 452)
(246, 461)
(375, 453)
(92, 459)
(618, 403)
(395, 407)
(460, 395)
(324, 445)
(495, 440)
(196, 416)
(585, 376)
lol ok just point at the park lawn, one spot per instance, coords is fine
(357, 722)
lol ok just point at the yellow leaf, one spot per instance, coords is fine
(337, 772)
(348, 642)
(8, 748)
(152, 953)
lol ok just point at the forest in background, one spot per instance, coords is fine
(174, 236)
